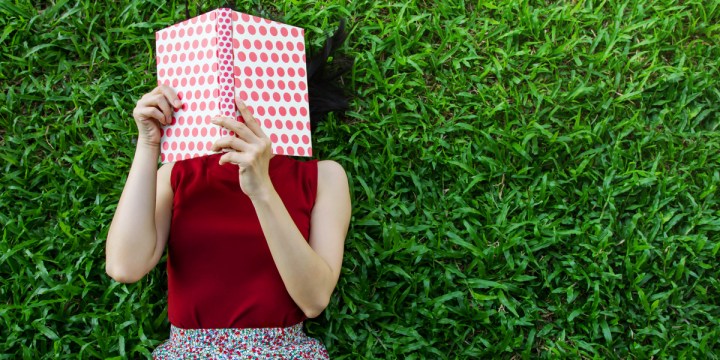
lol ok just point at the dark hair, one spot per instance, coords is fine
(324, 92)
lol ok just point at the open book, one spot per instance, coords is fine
(210, 58)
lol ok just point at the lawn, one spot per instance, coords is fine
(529, 179)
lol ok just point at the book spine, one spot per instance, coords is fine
(226, 103)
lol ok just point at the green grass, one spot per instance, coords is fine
(529, 179)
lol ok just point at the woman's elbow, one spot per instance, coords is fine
(122, 275)
(314, 310)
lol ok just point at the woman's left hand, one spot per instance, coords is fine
(250, 150)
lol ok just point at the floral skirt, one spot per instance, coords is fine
(261, 343)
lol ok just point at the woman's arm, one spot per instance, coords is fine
(309, 270)
(139, 230)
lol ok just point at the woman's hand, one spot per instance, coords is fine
(249, 150)
(153, 110)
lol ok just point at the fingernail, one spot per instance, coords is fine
(177, 103)
(215, 120)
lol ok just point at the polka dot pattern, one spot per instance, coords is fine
(210, 58)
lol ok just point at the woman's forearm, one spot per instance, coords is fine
(131, 239)
(307, 277)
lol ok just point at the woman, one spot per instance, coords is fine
(255, 241)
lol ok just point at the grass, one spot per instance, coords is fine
(529, 179)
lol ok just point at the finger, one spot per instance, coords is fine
(164, 106)
(241, 130)
(153, 113)
(157, 101)
(233, 157)
(250, 121)
(169, 95)
(231, 142)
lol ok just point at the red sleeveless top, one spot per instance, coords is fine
(220, 270)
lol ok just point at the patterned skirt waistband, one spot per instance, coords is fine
(275, 343)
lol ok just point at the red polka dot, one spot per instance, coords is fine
(260, 111)
(246, 44)
(281, 85)
(235, 16)
(203, 132)
(279, 150)
(282, 111)
(290, 46)
(172, 34)
(200, 145)
(305, 139)
(276, 96)
(290, 150)
(287, 97)
(186, 132)
(303, 111)
(210, 79)
(208, 145)
(298, 97)
(182, 146)
(263, 30)
(289, 124)
(171, 72)
(266, 96)
(309, 151)
(211, 106)
(248, 83)
(294, 32)
(274, 57)
(293, 111)
(253, 57)
(209, 54)
(301, 151)
(273, 31)
(258, 44)
(299, 125)
(207, 121)
(164, 35)
(300, 46)
(170, 157)
(278, 124)
(240, 29)
(161, 72)
(267, 123)
(255, 96)
(296, 58)
(284, 32)
(264, 57)
(173, 146)
(279, 45)
(195, 131)
(301, 71)
(271, 111)
(166, 145)
(291, 85)
(295, 139)
(193, 80)
(213, 131)
(162, 158)
(284, 138)
(175, 83)
(285, 58)
(190, 120)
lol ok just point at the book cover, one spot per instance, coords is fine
(210, 58)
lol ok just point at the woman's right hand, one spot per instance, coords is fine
(153, 110)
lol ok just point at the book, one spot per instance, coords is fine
(212, 57)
